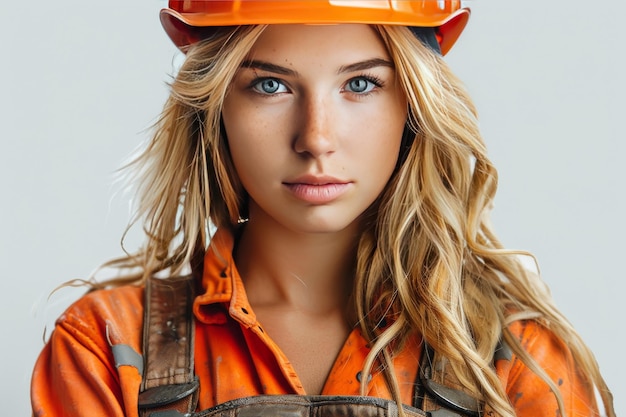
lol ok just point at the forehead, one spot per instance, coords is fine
(319, 43)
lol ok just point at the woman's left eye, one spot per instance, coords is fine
(361, 85)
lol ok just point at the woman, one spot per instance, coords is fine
(343, 168)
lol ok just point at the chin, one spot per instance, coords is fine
(325, 226)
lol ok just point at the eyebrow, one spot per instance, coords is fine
(365, 65)
(269, 67)
(357, 66)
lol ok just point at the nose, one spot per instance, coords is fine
(315, 135)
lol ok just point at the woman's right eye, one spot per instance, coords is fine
(269, 86)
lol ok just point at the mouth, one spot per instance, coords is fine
(317, 190)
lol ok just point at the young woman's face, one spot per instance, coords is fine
(314, 120)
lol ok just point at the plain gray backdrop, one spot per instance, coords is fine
(83, 82)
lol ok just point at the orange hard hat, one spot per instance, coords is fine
(188, 21)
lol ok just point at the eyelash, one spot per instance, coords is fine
(376, 81)
(257, 81)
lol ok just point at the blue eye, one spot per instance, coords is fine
(269, 86)
(360, 85)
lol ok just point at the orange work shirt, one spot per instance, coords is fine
(77, 373)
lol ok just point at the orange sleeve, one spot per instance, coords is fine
(529, 394)
(76, 373)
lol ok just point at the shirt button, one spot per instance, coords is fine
(359, 377)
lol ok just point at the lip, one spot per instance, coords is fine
(317, 189)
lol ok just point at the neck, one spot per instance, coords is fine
(312, 272)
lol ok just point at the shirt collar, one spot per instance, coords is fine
(222, 285)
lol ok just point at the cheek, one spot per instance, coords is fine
(244, 154)
(379, 138)
(253, 145)
(249, 126)
(237, 133)
(396, 120)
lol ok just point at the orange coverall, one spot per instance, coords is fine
(76, 374)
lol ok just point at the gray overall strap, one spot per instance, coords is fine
(440, 394)
(168, 381)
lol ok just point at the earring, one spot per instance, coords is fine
(242, 220)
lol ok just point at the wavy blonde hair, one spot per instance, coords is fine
(427, 257)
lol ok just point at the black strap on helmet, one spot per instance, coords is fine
(428, 36)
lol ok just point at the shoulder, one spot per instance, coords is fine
(532, 334)
(106, 303)
(528, 392)
(109, 315)
(543, 346)
(76, 373)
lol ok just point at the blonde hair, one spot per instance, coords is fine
(432, 260)
(428, 257)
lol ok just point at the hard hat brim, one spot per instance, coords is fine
(185, 29)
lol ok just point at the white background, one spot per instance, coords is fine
(83, 81)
